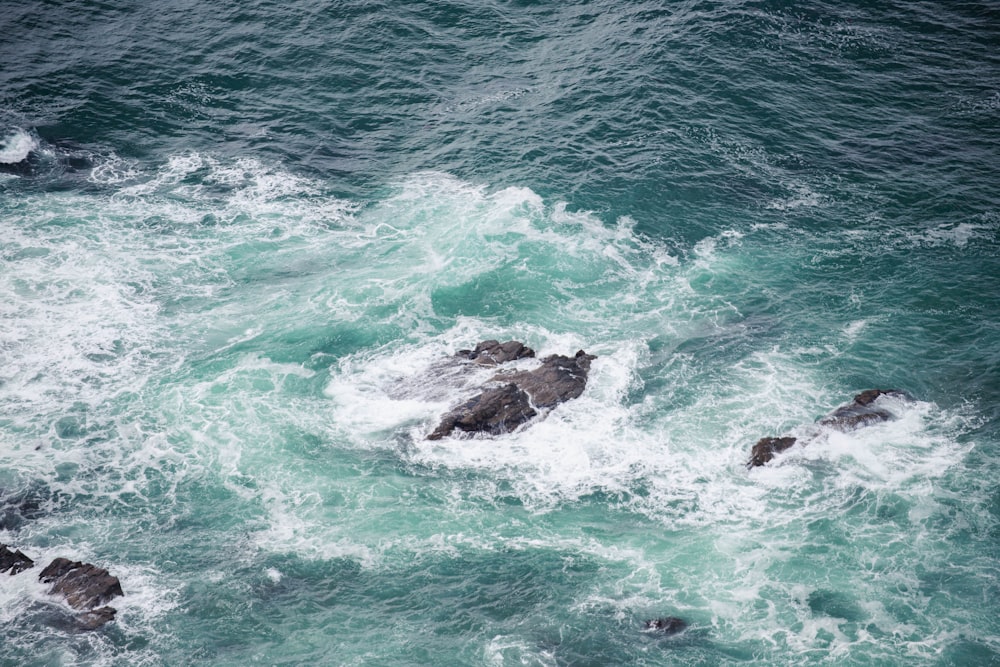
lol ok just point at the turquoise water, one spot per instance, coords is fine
(238, 238)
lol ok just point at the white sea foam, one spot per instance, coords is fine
(153, 286)
(114, 170)
(959, 234)
(16, 145)
(802, 197)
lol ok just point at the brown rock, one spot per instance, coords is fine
(84, 586)
(860, 412)
(556, 381)
(95, 618)
(766, 448)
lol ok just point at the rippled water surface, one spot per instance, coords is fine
(238, 240)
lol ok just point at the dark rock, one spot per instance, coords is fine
(869, 396)
(95, 618)
(860, 412)
(13, 562)
(84, 586)
(845, 419)
(556, 381)
(494, 353)
(495, 411)
(766, 448)
(502, 409)
(17, 508)
(668, 625)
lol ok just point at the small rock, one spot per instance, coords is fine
(860, 412)
(668, 625)
(766, 448)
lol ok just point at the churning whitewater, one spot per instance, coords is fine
(249, 252)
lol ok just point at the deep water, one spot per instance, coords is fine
(237, 238)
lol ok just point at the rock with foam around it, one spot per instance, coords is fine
(86, 587)
(494, 411)
(668, 625)
(515, 397)
(13, 562)
(494, 353)
(862, 411)
(766, 448)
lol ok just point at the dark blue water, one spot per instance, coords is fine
(235, 237)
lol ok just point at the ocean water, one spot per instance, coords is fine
(238, 238)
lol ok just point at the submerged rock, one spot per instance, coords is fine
(668, 625)
(13, 562)
(17, 508)
(520, 394)
(86, 587)
(860, 412)
(95, 618)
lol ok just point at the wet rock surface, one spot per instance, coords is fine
(494, 411)
(862, 411)
(95, 618)
(493, 353)
(13, 562)
(766, 448)
(556, 381)
(16, 509)
(84, 586)
(512, 398)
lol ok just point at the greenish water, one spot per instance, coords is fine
(238, 240)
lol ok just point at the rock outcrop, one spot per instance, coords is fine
(13, 562)
(556, 381)
(84, 586)
(512, 398)
(862, 411)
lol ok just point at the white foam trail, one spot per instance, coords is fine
(16, 146)
(114, 170)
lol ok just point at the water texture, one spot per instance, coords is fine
(237, 239)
